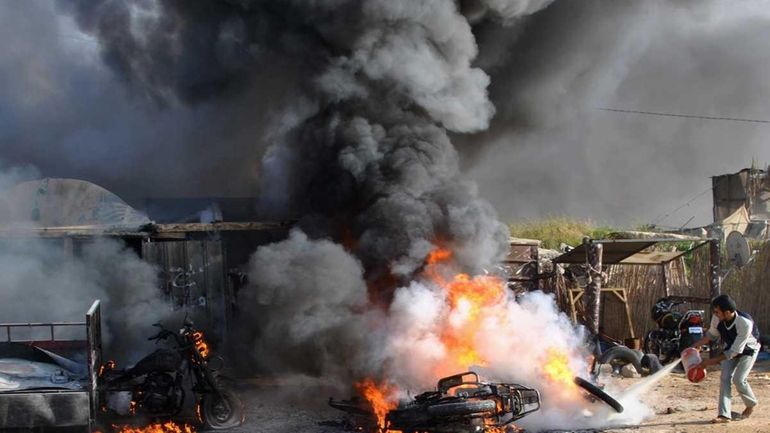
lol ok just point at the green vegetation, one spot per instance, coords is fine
(554, 231)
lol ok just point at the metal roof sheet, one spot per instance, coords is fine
(624, 251)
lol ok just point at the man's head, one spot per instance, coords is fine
(723, 306)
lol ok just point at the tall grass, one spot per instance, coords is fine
(553, 231)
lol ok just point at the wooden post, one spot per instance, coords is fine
(665, 271)
(715, 266)
(572, 309)
(533, 256)
(593, 288)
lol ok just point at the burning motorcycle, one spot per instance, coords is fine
(156, 382)
(676, 330)
(460, 404)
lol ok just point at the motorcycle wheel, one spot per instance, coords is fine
(463, 408)
(599, 393)
(651, 346)
(221, 412)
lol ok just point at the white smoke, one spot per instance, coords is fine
(514, 337)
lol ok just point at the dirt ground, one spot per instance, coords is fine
(684, 407)
(680, 407)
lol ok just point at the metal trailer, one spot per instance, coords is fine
(53, 407)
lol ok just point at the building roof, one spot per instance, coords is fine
(66, 202)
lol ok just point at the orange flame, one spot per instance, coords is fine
(507, 429)
(439, 255)
(557, 369)
(109, 365)
(467, 297)
(200, 344)
(381, 397)
(165, 427)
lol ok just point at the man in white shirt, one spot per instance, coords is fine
(740, 337)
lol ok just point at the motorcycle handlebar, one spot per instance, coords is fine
(162, 335)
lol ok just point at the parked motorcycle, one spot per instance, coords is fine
(157, 381)
(676, 330)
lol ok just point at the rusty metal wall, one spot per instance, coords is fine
(729, 193)
(192, 275)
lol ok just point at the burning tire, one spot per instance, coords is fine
(599, 393)
(221, 412)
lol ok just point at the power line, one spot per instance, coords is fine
(686, 116)
(663, 217)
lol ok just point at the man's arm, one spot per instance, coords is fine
(711, 335)
(743, 330)
(712, 361)
(702, 342)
